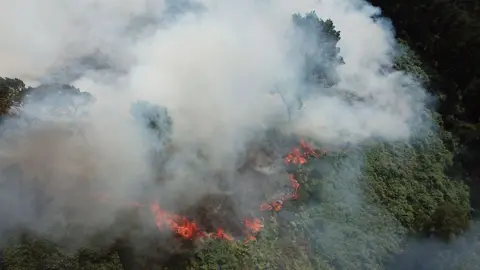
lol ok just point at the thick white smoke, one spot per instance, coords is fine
(212, 64)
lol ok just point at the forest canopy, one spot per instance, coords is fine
(279, 196)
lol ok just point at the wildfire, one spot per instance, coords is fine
(178, 224)
(296, 157)
(222, 235)
(187, 229)
(182, 226)
(300, 157)
(254, 225)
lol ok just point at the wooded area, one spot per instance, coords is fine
(419, 199)
(444, 35)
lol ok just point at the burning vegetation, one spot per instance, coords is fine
(269, 212)
(186, 228)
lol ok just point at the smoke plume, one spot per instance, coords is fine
(220, 75)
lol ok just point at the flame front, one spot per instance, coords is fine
(187, 229)
(180, 225)
(296, 157)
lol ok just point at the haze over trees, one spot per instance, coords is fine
(399, 205)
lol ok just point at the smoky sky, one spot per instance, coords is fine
(212, 66)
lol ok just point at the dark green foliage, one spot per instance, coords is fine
(446, 35)
(411, 181)
(274, 250)
(342, 227)
(11, 91)
(98, 259)
(33, 253)
(409, 62)
(354, 217)
(356, 208)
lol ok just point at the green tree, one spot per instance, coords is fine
(445, 34)
(31, 252)
(318, 42)
(11, 93)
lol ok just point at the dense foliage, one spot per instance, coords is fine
(348, 216)
(445, 35)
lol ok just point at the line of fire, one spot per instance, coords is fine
(188, 229)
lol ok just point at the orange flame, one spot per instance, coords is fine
(187, 229)
(278, 204)
(253, 225)
(222, 235)
(180, 225)
(295, 157)
(308, 149)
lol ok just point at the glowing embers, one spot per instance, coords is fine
(277, 205)
(299, 156)
(178, 224)
(189, 229)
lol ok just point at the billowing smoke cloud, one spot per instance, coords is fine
(214, 65)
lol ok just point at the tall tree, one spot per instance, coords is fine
(318, 41)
